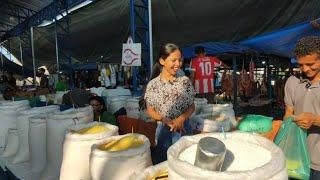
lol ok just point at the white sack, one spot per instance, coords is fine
(132, 108)
(105, 165)
(57, 124)
(150, 171)
(179, 169)
(23, 130)
(8, 113)
(77, 149)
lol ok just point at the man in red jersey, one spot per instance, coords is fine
(202, 73)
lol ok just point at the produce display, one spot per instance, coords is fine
(122, 144)
(92, 130)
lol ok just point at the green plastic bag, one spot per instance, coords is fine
(255, 123)
(292, 140)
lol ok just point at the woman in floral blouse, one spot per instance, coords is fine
(169, 99)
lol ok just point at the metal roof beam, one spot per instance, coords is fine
(17, 10)
(20, 7)
(47, 13)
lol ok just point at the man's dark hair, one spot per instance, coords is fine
(307, 46)
(199, 50)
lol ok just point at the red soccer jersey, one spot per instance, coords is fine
(204, 73)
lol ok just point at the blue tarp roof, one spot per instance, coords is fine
(215, 48)
(281, 42)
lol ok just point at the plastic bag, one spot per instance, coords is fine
(256, 123)
(292, 140)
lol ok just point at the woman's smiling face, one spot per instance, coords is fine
(172, 63)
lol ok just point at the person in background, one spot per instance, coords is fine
(12, 80)
(169, 100)
(44, 81)
(62, 83)
(202, 73)
(100, 111)
(302, 97)
(76, 98)
(6, 88)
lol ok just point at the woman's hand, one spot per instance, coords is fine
(177, 125)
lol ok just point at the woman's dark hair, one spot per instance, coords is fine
(100, 100)
(164, 52)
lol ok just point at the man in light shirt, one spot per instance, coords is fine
(302, 97)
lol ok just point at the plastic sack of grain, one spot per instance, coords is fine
(58, 97)
(119, 91)
(23, 130)
(113, 164)
(37, 144)
(10, 149)
(249, 156)
(12, 143)
(57, 124)
(108, 94)
(132, 108)
(98, 91)
(199, 104)
(223, 109)
(8, 114)
(116, 103)
(77, 148)
(159, 171)
(210, 122)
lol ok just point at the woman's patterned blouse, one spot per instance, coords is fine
(170, 98)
